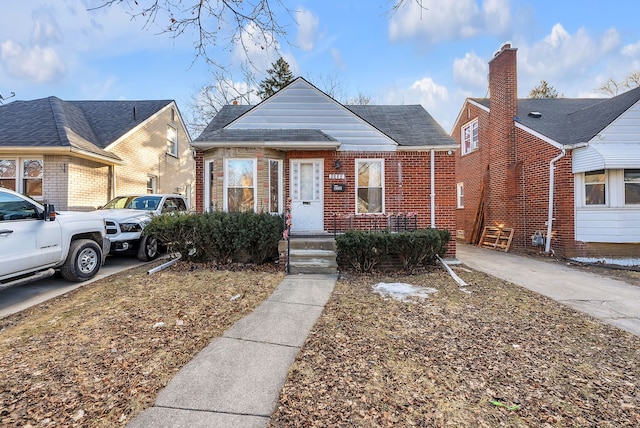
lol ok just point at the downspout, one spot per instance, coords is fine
(433, 190)
(552, 167)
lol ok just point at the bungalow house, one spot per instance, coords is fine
(79, 154)
(338, 166)
(563, 174)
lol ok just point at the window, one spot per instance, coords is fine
(22, 175)
(210, 204)
(275, 186)
(172, 141)
(240, 185)
(15, 208)
(152, 181)
(631, 186)
(8, 174)
(470, 137)
(460, 194)
(369, 186)
(32, 176)
(595, 187)
(173, 115)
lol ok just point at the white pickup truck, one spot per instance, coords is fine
(35, 241)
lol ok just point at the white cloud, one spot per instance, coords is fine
(46, 30)
(631, 50)
(470, 72)
(38, 64)
(450, 20)
(337, 59)
(424, 91)
(307, 29)
(259, 48)
(561, 57)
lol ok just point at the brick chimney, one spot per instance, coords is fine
(503, 82)
(504, 183)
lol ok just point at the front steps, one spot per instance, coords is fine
(311, 254)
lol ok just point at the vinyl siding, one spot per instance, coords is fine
(302, 106)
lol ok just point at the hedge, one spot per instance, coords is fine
(220, 236)
(363, 251)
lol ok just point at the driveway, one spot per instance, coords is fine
(609, 300)
(20, 297)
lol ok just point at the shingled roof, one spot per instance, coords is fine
(89, 126)
(571, 120)
(407, 125)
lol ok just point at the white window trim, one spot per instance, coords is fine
(382, 180)
(225, 197)
(154, 183)
(19, 160)
(624, 190)
(209, 165)
(280, 185)
(173, 153)
(472, 148)
(607, 191)
(460, 195)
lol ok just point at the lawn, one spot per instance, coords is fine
(492, 354)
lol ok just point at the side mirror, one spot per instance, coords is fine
(49, 212)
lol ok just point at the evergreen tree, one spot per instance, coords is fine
(278, 77)
(543, 90)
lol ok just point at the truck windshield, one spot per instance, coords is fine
(148, 203)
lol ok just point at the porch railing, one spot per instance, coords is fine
(400, 222)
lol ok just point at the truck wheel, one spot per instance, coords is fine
(148, 249)
(83, 261)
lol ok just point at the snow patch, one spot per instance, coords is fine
(402, 291)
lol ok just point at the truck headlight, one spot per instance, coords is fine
(130, 227)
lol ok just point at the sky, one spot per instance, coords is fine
(436, 55)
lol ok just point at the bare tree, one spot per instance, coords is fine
(613, 88)
(219, 23)
(223, 90)
(361, 99)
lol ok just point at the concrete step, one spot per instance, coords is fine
(309, 255)
(312, 267)
(313, 243)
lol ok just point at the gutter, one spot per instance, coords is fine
(552, 167)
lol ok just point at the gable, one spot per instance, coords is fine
(617, 146)
(301, 106)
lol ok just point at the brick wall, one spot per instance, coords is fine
(407, 183)
(145, 153)
(515, 167)
(55, 181)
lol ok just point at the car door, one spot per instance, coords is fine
(27, 242)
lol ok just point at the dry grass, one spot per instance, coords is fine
(97, 356)
(94, 358)
(497, 356)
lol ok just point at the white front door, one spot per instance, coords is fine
(306, 184)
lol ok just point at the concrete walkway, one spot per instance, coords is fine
(237, 379)
(612, 301)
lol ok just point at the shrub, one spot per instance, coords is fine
(362, 251)
(219, 236)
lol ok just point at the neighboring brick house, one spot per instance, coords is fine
(512, 149)
(79, 154)
(342, 166)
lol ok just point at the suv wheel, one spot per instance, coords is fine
(83, 261)
(148, 249)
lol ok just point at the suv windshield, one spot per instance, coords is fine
(148, 203)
